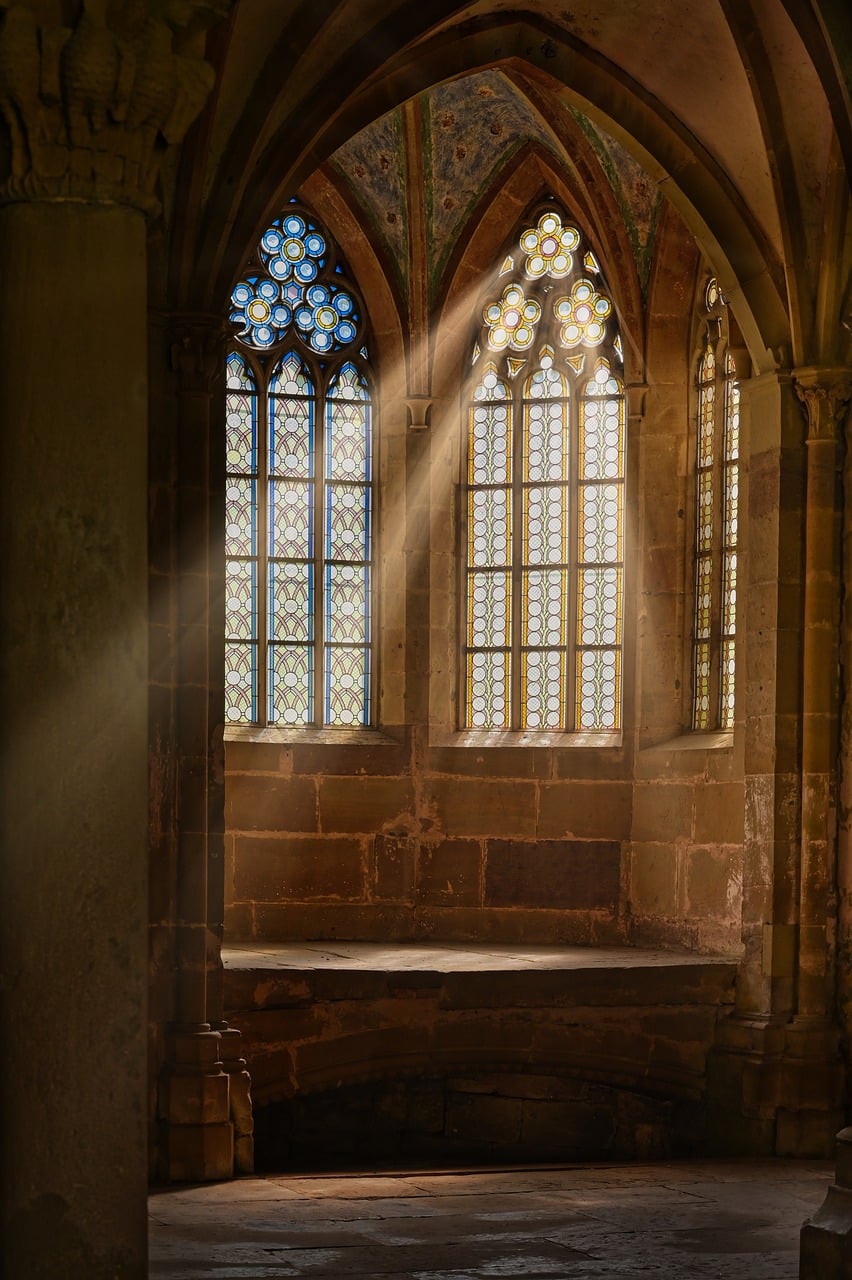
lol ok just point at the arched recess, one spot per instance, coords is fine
(746, 264)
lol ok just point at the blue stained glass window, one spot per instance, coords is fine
(299, 489)
(299, 284)
(241, 563)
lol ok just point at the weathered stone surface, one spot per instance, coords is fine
(719, 813)
(294, 921)
(450, 873)
(710, 879)
(75, 864)
(654, 872)
(378, 759)
(276, 869)
(91, 109)
(590, 811)
(255, 757)
(393, 868)
(662, 809)
(553, 873)
(262, 802)
(622, 1220)
(490, 762)
(365, 804)
(476, 807)
(826, 1237)
(516, 925)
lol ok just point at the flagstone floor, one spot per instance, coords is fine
(684, 1220)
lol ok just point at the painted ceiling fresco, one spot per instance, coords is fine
(635, 190)
(470, 128)
(373, 163)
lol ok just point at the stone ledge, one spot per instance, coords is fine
(315, 1017)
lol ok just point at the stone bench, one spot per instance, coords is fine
(497, 1052)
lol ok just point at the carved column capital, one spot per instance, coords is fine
(197, 350)
(825, 395)
(89, 109)
(419, 412)
(637, 393)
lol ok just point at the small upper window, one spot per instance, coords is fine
(299, 515)
(544, 485)
(716, 505)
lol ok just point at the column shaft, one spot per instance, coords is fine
(197, 1133)
(771, 613)
(73, 404)
(819, 730)
(824, 394)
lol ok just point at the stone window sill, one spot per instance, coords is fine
(703, 740)
(300, 736)
(481, 739)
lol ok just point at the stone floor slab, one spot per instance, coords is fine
(694, 1220)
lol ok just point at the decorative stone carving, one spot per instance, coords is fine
(198, 344)
(90, 109)
(825, 397)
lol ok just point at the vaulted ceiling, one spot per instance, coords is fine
(736, 111)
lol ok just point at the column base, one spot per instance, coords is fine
(241, 1114)
(825, 1242)
(775, 1087)
(198, 1137)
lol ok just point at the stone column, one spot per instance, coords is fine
(825, 396)
(197, 1136)
(844, 834)
(777, 1073)
(80, 155)
(770, 609)
(743, 1095)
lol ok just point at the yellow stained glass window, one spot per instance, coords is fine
(545, 494)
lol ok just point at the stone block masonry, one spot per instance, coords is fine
(389, 840)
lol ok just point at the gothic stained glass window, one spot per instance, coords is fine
(544, 486)
(716, 505)
(299, 487)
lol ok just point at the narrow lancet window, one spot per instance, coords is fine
(299, 487)
(544, 491)
(716, 522)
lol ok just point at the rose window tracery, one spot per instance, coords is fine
(549, 247)
(583, 314)
(511, 321)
